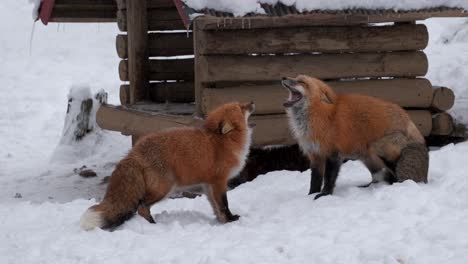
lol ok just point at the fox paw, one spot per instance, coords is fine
(233, 218)
(320, 195)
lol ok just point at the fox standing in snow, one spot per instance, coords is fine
(331, 127)
(166, 161)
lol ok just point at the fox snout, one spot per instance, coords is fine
(288, 82)
(295, 95)
(251, 107)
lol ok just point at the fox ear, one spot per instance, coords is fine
(326, 98)
(225, 127)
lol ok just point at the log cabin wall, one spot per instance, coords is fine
(170, 64)
(384, 61)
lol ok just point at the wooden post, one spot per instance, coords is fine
(198, 45)
(137, 26)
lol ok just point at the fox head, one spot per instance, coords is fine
(230, 118)
(305, 90)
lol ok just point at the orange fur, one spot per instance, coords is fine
(347, 126)
(176, 158)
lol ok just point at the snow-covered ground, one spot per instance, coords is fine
(402, 223)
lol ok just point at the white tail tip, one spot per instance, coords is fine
(91, 219)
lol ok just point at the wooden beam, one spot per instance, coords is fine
(160, 44)
(269, 99)
(179, 92)
(162, 70)
(122, 4)
(137, 50)
(443, 99)
(324, 66)
(124, 94)
(131, 122)
(316, 39)
(158, 19)
(442, 124)
(199, 40)
(319, 19)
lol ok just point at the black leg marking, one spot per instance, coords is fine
(316, 180)
(225, 209)
(390, 176)
(332, 168)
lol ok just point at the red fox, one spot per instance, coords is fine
(174, 159)
(331, 127)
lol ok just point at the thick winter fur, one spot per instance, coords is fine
(175, 159)
(331, 127)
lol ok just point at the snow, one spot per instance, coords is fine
(243, 7)
(35, 9)
(401, 223)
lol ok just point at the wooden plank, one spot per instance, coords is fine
(199, 40)
(124, 94)
(442, 124)
(122, 4)
(180, 92)
(324, 66)
(269, 99)
(317, 39)
(174, 69)
(158, 19)
(82, 16)
(318, 19)
(86, 2)
(137, 50)
(422, 119)
(131, 122)
(160, 44)
(443, 99)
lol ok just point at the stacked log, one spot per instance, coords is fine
(84, 11)
(169, 69)
(382, 61)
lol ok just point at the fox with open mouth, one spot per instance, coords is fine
(330, 128)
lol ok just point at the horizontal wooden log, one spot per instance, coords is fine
(324, 66)
(318, 19)
(122, 4)
(70, 15)
(158, 19)
(132, 122)
(269, 99)
(422, 119)
(124, 94)
(269, 130)
(160, 44)
(316, 39)
(443, 99)
(85, 3)
(176, 69)
(177, 92)
(442, 124)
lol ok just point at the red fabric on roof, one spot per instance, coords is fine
(45, 10)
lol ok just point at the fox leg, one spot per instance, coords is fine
(332, 168)
(157, 190)
(317, 168)
(218, 198)
(381, 170)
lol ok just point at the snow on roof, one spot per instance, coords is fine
(244, 7)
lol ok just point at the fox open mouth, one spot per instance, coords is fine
(294, 95)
